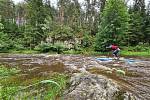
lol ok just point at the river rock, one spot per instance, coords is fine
(91, 87)
(122, 58)
(94, 87)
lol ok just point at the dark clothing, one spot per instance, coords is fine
(115, 52)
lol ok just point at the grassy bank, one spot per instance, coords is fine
(109, 53)
(89, 51)
(131, 53)
(15, 86)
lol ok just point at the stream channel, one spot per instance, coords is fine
(136, 79)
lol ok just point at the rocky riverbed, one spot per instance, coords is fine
(91, 79)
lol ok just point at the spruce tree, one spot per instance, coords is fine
(138, 23)
(114, 24)
(147, 25)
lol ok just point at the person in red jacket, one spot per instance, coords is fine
(115, 50)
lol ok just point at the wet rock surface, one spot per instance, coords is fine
(137, 75)
(98, 80)
(95, 87)
(91, 87)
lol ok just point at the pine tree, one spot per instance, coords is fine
(135, 27)
(36, 16)
(137, 23)
(114, 24)
(147, 25)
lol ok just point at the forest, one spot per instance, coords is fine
(74, 26)
(60, 50)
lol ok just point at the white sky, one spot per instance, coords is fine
(53, 1)
(16, 1)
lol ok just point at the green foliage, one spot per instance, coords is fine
(5, 42)
(147, 33)
(44, 47)
(135, 34)
(61, 33)
(59, 47)
(8, 71)
(139, 23)
(18, 47)
(47, 47)
(36, 29)
(36, 12)
(6, 91)
(147, 27)
(136, 54)
(120, 72)
(50, 82)
(31, 37)
(141, 47)
(27, 24)
(114, 24)
(52, 85)
(1, 25)
(72, 52)
(53, 88)
(26, 51)
(87, 40)
(56, 85)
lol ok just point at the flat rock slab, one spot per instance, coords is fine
(94, 87)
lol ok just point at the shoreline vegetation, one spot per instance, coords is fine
(72, 27)
(123, 53)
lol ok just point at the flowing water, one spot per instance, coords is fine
(136, 80)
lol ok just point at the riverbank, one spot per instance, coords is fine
(89, 52)
(36, 67)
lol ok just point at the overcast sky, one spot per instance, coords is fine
(16, 1)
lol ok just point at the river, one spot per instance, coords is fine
(136, 80)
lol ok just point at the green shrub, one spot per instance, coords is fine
(59, 47)
(5, 42)
(61, 33)
(47, 47)
(87, 40)
(44, 47)
(141, 47)
(1, 26)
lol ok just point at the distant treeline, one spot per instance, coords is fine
(37, 24)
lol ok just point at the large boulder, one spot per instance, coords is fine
(93, 87)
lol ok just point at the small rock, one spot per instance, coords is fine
(116, 64)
